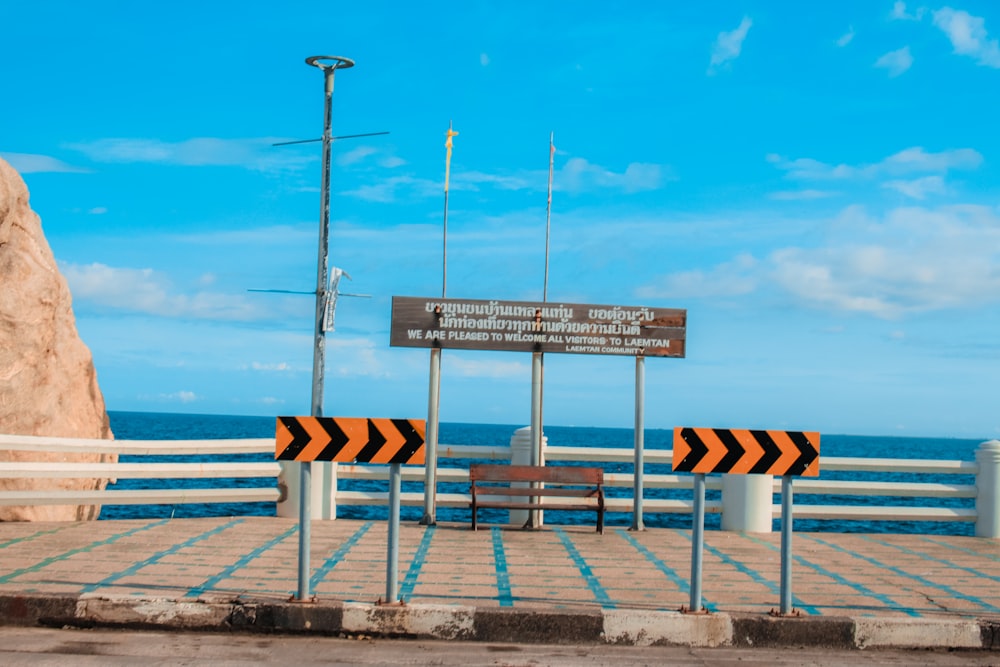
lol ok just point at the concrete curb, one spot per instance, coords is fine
(492, 624)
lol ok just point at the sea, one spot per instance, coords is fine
(170, 426)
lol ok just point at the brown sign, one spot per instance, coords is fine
(525, 326)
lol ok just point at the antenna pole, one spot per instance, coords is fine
(329, 65)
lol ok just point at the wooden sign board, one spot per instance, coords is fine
(350, 440)
(705, 450)
(526, 326)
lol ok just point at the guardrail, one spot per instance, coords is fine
(942, 501)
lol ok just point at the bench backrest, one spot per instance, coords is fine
(484, 472)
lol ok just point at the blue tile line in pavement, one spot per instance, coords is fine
(28, 538)
(669, 572)
(926, 556)
(595, 586)
(966, 550)
(753, 574)
(135, 567)
(242, 562)
(915, 577)
(419, 558)
(338, 555)
(840, 579)
(504, 594)
(72, 552)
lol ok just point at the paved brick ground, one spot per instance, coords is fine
(834, 574)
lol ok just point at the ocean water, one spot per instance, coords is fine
(167, 426)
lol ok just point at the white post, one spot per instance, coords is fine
(988, 489)
(747, 503)
(521, 452)
(323, 490)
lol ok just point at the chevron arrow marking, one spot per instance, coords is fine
(349, 440)
(738, 451)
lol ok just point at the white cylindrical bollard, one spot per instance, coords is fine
(323, 496)
(747, 503)
(988, 489)
(520, 455)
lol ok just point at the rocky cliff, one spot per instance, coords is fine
(48, 385)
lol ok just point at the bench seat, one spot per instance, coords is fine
(490, 488)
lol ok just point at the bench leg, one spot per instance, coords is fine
(474, 527)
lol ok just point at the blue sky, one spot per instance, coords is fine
(816, 183)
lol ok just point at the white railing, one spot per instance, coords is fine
(983, 510)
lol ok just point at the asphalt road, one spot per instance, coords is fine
(42, 647)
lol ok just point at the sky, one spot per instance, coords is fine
(817, 184)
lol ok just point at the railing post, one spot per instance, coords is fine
(521, 448)
(988, 489)
(323, 490)
(747, 503)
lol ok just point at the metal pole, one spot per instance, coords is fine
(786, 544)
(305, 532)
(392, 557)
(697, 541)
(434, 388)
(535, 518)
(329, 65)
(548, 216)
(433, 412)
(640, 409)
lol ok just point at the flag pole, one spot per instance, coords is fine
(535, 517)
(434, 381)
(548, 215)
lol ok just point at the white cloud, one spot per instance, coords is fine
(270, 400)
(279, 367)
(30, 163)
(146, 291)
(899, 12)
(258, 154)
(734, 278)
(728, 45)
(484, 59)
(968, 36)
(356, 357)
(802, 195)
(911, 260)
(391, 162)
(458, 365)
(896, 62)
(385, 189)
(182, 396)
(98, 210)
(846, 38)
(355, 155)
(918, 188)
(908, 162)
(916, 159)
(576, 175)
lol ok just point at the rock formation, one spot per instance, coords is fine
(48, 385)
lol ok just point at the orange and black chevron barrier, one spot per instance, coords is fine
(705, 450)
(350, 440)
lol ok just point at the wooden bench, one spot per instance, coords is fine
(577, 488)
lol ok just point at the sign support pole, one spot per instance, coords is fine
(392, 556)
(786, 545)
(640, 409)
(535, 517)
(697, 542)
(433, 415)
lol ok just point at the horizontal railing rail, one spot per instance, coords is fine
(939, 500)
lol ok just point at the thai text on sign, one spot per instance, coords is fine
(526, 326)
